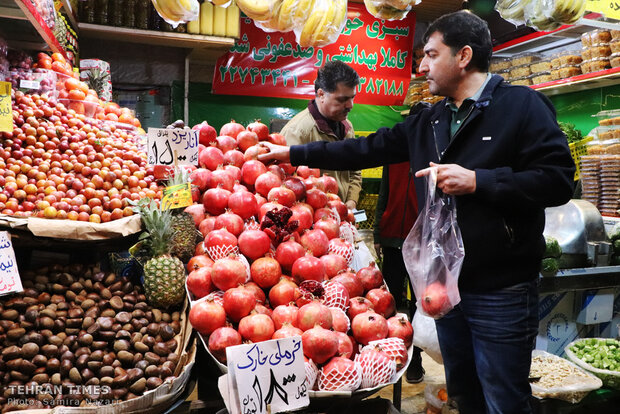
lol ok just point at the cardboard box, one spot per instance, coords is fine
(557, 326)
(594, 306)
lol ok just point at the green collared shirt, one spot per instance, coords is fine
(459, 115)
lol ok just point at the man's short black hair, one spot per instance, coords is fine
(461, 29)
(334, 72)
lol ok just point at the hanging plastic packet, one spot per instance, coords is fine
(323, 23)
(433, 253)
(258, 10)
(390, 9)
(176, 12)
(513, 10)
(284, 16)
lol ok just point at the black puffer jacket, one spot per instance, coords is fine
(522, 163)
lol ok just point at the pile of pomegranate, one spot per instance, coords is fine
(273, 264)
(57, 163)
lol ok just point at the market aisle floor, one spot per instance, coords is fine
(412, 398)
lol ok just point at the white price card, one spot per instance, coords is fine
(268, 374)
(164, 144)
(29, 84)
(9, 275)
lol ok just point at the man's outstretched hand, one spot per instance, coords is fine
(279, 153)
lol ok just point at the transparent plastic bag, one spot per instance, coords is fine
(425, 336)
(177, 12)
(433, 253)
(284, 17)
(390, 9)
(513, 10)
(258, 10)
(323, 24)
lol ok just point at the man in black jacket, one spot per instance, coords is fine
(499, 151)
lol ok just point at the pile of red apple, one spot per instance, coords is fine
(59, 164)
(273, 265)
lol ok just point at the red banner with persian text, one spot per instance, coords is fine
(274, 65)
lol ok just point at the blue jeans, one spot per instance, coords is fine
(486, 343)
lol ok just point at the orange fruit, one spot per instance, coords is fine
(77, 94)
(58, 57)
(59, 67)
(45, 64)
(112, 107)
(71, 84)
(83, 87)
(136, 122)
(78, 107)
(125, 118)
(111, 117)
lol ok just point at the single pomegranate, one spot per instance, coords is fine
(377, 367)
(319, 344)
(220, 243)
(315, 241)
(282, 195)
(246, 139)
(285, 314)
(370, 276)
(382, 301)
(287, 253)
(222, 338)
(228, 273)
(229, 221)
(435, 300)
(211, 157)
(200, 178)
(394, 348)
(304, 171)
(238, 302)
(329, 183)
(315, 197)
(279, 139)
(308, 268)
(254, 244)
(341, 247)
(351, 282)
(345, 345)
(336, 295)
(334, 264)
(261, 130)
(358, 305)
(340, 207)
(297, 186)
(215, 200)
(265, 182)
(197, 211)
(207, 225)
(227, 144)
(206, 133)
(284, 292)
(199, 261)
(329, 226)
(369, 326)
(265, 271)
(243, 203)
(287, 331)
(206, 316)
(340, 320)
(314, 313)
(303, 217)
(232, 129)
(251, 170)
(340, 374)
(220, 177)
(256, 327)
(199, 282)
(400, 327)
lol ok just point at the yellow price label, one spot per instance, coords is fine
(6, 109)
(611, 9)
(177, 196)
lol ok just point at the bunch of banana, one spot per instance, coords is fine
(284, 15)
(259, 10)
(324, 23)
(513, 10)
(389, 10)
(177, 11)
(568, 11)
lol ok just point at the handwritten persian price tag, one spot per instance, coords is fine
(610, 9)
(9, 276)
(6, 110)
(177, 196)
(269, 373)
(172, 146)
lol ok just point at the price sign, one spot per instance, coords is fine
(9, 276)
(6, 110)
(29, 84)
(267, 374)
(177, 196)
(172, 146)
(610, 8)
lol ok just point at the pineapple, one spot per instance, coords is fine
(183, 240)
(97, 80)
(164, 274)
